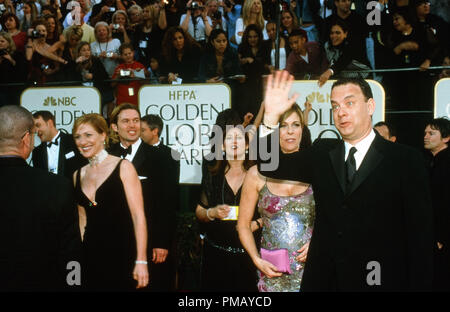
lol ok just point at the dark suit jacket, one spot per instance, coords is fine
(66, 166)
(39, 232)
(158, 193)
(385, 217)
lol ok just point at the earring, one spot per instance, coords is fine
(246, 151)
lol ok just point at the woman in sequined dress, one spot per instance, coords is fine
(287, 210)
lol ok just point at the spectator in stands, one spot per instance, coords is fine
(174, 9)
(410, 47)
(69, 47)
(127, 92)
(310, 17)
(12, 67)
(436, 141)
(342, 54)
(84, 11)
(219, 62)
(386, 130)
(10, 23)
(50, 10)
(7, 6)
(434, 25)
(196, 22)
(105, 47)
(271, 28)
(119, 26)
(356, 24)
(88, 30)
(30, 14)
(445, 72)
(289, 22)
(104, 11)
(179, 56)
(54, 29)
(93, 74)
(44, 64)
(252, 13)
(232, 10)
(135, 15)
(149, 35)
(254, 56)
(216, 16)
(307, 60)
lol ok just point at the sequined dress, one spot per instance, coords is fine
(288, 222)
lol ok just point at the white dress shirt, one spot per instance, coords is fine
(53, 154)
(361, 148)
(134, 149)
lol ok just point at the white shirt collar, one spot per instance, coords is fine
(361, 148)
(56, 136)
(157, 143)
(134, 148)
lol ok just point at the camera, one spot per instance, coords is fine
(116, 26)
(109, 54)
(217, 15)
(112, 9)
(194, 6)
(35, 34)
(45, 66)
(124, 73)
(3, 52)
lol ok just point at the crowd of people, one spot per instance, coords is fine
(218, 41)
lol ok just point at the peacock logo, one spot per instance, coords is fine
(50, 101)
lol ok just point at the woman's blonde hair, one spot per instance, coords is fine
(74, 31)
(12, 46)
(104, 24)
(246, 14)
(127, 20)
(96, 121)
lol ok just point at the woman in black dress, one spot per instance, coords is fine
(111, 210)
(254, 56)
(225, 264)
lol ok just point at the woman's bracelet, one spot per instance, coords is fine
(207, 215)
(271, 127)
(140, 262)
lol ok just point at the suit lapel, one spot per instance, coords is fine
(337, 159)
(62, 152)
(139, 158)
(370, 162)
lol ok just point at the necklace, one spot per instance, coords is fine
(97, 159)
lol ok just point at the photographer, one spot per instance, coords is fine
(196, 22)
(216, 15)
(13, 63)
(105, 47)
(127, 92)
(43, 63)
(105, 10)
(119, 27)
(6, 6)
(29, 14)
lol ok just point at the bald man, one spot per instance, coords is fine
(39, 233)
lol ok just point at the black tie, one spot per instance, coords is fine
(126, 151)
(350, 163)
(55, 142)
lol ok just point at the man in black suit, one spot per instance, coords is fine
(57, 153)
(39, 233)
(158, 188)
(374, 223)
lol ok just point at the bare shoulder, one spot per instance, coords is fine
(255, 177)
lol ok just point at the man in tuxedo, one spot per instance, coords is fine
(39, 233)
(374, 222)
(57, 153)
(152, 166)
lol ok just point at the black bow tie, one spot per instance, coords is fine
(55, 142)
(126, 151)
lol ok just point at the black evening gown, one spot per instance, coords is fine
(226, 266)
(109, 245)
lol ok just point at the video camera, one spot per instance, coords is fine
(217, 15)
(35, 34)
(194, 6)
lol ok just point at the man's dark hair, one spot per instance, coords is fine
(365, 87)
(441, 124)
(45, 115)
(391, 129)
(153, 121)
(299, 32)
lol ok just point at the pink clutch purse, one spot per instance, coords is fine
(278, 257)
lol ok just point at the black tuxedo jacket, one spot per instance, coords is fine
(39, 232)
(173, 170)
(66, 166)
(157, 191)
(386, 216)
